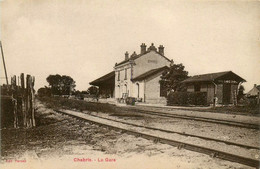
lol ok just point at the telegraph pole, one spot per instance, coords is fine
(4, 63)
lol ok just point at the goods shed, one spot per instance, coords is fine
(223, 85)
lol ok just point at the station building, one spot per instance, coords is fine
(137, 76)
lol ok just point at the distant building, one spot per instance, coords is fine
(106, 85)
(136, 76)
(224, 85)
(254, 92)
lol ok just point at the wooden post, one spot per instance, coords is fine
(14, 100)
(258, 102)
(27, 101)
(18, 81)
(235, 97)
(2, 51)
(32, 102)
(22, 80)
(23, 92)
(30, 92)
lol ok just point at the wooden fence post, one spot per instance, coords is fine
(22, 80)
(23, 93)
(27, 101)
(32, 101)
(258, 102)
(14, 100)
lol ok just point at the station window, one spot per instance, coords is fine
(118, 77)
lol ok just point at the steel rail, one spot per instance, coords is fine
(181, 133)
(213, 153)
(204, 119)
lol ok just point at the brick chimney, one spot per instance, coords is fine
(126, 55)
(152, 47)
(255, 85)
(143, 48)
(133, 55)
(161, 49)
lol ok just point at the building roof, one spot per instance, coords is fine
(149, 73)
(141, 54)
(254, 91)
(104, 79)
(227, 75)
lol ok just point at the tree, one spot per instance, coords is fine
(240, 92)
(92, 90)
(61, 85)
(171, 78)
(55, 84)
(68, 85)
(44, 91)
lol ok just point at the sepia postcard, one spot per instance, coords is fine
(123, 84)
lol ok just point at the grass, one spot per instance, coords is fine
(80, 105)
(248, 109)
(58, 103)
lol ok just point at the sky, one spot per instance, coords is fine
(84, 39)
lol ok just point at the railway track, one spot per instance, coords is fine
(203, 119)
(212, 152)
(181, 133)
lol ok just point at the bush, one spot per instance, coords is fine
(44, 91)
(187, 98)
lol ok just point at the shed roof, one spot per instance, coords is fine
(227, 75)
(104, 79)
(150, 73)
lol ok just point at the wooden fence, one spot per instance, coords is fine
(18, 102)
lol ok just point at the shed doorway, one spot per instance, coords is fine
(226, 93)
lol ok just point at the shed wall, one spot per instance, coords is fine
(234, 88)
(220, 93)
(210, 93)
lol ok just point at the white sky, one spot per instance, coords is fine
(84, 39)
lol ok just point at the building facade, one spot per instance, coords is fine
(137, 76)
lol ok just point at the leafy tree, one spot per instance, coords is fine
(92, 90)
(240, 92)
(77, 92)
(55, 84)
(171, 78)
(61, 85)
(68, 85)
(84, 92)
(44, 91)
